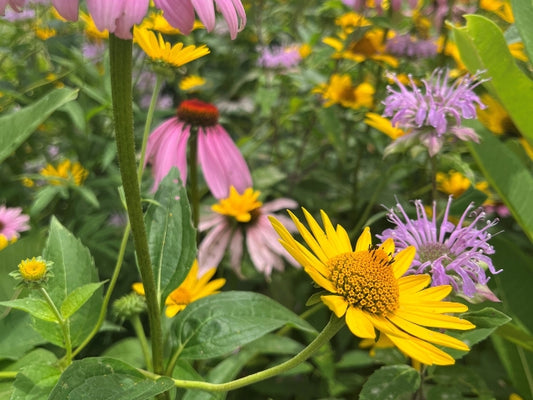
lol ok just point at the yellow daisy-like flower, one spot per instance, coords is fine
(366, 286)
(239, 206)
(501, 8)
(158, 50)
(191, 83)
(340, 90)
(190, 290)
(384, 125)
(453, 182)
(33, 269)
(495, 117)
(67, 171)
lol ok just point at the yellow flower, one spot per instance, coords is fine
(384, 125)
(191, 289)
(494, 117)
(28, 182)
(91, 30)
(304, 50)
(44, 33)
(157, 22)
(158, 50)
(453, 182)
(501, 8)
(33, 270)
(340, 91)
(239, 206)
(191, 83)
(3, 242)
(366, 286)
(351, 21)
(67, 171)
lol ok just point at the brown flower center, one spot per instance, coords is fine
(365, 279)
(198, 113)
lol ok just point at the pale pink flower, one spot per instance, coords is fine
(221, 160)
(180, 14)
(241, 219)
(12, 222)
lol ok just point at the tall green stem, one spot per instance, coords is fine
(63, 323)
(193, 176)
(121, 60)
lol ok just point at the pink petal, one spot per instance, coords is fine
(68, 9)
(206, 12)
(105, 13)
(213, 247)
(179, 13)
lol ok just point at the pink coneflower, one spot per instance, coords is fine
(241, 217)
(222, 163)
(453, 254)
(12, 222)
(436, 113)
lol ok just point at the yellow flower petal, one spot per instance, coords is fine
(359, 324)
(403, 261)
(364, 241)
(422, 351)
(335, 303)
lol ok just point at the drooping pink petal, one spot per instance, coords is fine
(206, 12)
(105, 13)
(213, 246)
(179, 13)
(222, 163)
(68, 9)
(232, 11)
(132, 13)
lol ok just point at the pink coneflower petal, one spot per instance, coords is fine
(68, 9)
(213, 246)
(12, 222)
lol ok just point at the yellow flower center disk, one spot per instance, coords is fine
(365, 280)
(244, 207)
(180, 296)
(32, 269)
(198, 113)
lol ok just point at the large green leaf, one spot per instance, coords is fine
(171, 236)
(18, 126)
(508, 177)
(390, 383)
(38, 308)
(78, 297)
(17, 335)
(523, 15)
(106, 379)
(73, 268)
(483, 47)
(35, 382)
(218, 324)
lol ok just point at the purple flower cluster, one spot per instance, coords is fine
(280, 57)
(454, 255)
(439, 110)
(410, 46)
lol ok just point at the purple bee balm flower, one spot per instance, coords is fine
(410, 46)
(439, 111)
(280, 57)
(241, 218)
(12, 222)
(455, 255)
(222, 163)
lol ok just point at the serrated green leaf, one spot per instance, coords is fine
(38, 308)
(77, 298)
(171, 236)
(523, 15)
(17, 337)
(391, 382)
(18, 126)
(509, 177)
(73, 267)
(218, 324)
(106, 378)
(483, 47)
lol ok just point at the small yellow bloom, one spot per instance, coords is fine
(160, 51)
(28, 182)
(350, 21)
(304, 50)
(453, 182)
(3, 242)
(340, 90)
(32, 270)
(91, 30)
(495, 117)
(67, 171)
(501, 8)
(44, 33)
(384, 125)
(239, 206)
(190, 290)
(191, 83)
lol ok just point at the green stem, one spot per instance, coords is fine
(194, 194)
(333, 326)
(433, 172)
(63, 323)
(8, 374)
(110, 288)
(139, 331)
(148, 124)
(120, 52)
(173, 360)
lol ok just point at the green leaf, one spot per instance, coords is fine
(391, 382)
(128, 350)
(523, 15)
(218, 324)
(486, 321)
(508, 177)
(106, 378)
(171, 236)
(73, 267)
(515, 334)
(18, 126)
(17, 336)
(35, 382)
(77, 298)
(38, 308)
(483, 47)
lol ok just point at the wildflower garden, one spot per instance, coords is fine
(266, 199)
